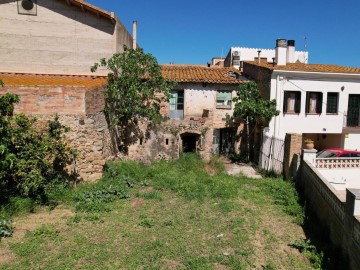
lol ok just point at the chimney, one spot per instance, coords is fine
(134, 34)
(290, 52)
(280, 52)
(259, 60)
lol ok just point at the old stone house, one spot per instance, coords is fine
(196, 115)
(47, 48)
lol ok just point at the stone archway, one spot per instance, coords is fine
(190, 142)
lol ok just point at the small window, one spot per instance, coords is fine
(177, 100)
(292, 102)
(167, 141)
(313, 102)
(332, 103)
(141, 141)
(223, 99)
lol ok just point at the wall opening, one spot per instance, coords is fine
(189, 142)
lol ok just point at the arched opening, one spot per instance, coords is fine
(189, 142)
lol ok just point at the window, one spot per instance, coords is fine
(223, 99)
(177, 104)
(313, 102)
(292, 102)
(332, 103)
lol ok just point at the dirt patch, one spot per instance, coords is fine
(24, 224)
(27, 223)
(137, 203)
(172, 264)
(6, 256)
(146, 189)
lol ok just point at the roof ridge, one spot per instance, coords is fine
(92, 7)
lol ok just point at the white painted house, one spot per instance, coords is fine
(237, 55)
(321, 102)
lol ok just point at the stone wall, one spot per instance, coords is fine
(89, 136)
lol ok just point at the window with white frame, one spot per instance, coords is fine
(223, 99)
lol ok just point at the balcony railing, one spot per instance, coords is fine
(352, 119)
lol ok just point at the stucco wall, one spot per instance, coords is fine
(306, 123)
(60, 39)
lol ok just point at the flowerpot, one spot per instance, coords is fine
(309, 145)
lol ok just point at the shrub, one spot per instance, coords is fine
(29, 159)
(5, 228)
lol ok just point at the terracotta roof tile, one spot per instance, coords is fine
(201, 74)
(21, 79)
(91, 7)
(326, 68)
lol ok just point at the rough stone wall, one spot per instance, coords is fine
(292, 147)
(79, 109)
(89, 136)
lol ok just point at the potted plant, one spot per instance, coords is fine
(309, 144)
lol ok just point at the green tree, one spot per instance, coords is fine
(134, 92)
(252, 108)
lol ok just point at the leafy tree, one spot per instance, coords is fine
(252, 108)
(134, 92)
(29, 159)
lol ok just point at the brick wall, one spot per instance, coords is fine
(261, 75)
(292, 147)
(48, 100)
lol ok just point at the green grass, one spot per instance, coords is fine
(171, 215)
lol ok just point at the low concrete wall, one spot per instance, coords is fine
(338, 215)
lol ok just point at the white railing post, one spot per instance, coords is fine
(309, 155)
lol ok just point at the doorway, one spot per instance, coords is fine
(189, 142)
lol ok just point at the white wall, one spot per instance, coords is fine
(59, 39)
(352, 142)
(248, 54)
(198, 98)
(303, 123)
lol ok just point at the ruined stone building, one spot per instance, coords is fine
(197, 115)
(47, 48)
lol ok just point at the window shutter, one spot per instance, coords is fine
(307, 108)
(298, 102)
(286, 100)
(320, 103)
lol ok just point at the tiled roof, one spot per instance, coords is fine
(309, 67)
(201, 74)
(90, 7)
(21, 79)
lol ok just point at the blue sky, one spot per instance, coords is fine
(194, 31)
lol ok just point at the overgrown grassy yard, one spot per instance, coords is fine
(181, 214)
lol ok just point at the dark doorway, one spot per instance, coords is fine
(227, 140)
(189, 141)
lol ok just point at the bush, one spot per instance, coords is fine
(29, 159)
(5, 228)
